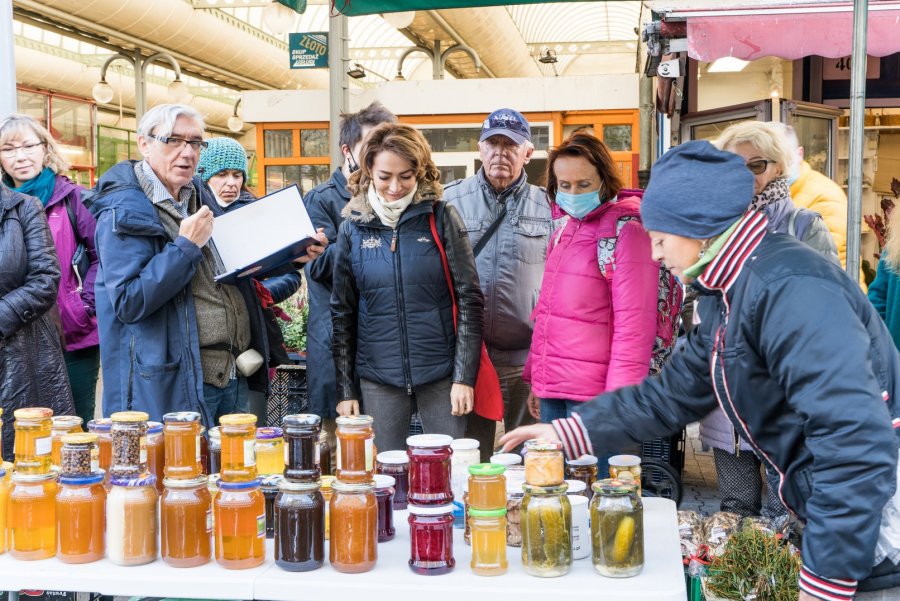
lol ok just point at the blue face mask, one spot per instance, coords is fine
(578, 205)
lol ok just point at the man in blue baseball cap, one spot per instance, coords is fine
(509, 223)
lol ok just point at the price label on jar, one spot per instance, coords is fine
(197, 448)
(370, 454)
(249, 453)
(42, 446)
(143, 453)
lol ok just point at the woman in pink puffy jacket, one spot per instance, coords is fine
(596, 318)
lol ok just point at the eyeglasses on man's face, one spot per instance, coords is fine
(179, 143)
(8, 152)
(758, 166)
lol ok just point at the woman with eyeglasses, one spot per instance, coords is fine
(33, 163)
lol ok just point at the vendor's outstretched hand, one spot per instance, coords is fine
(314, 250)
(511, 440)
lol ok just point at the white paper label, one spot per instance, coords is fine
(249, 453)
(370, 454)
(42, 446)
(209, 520)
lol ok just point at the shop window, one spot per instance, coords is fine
(465, 139)
(114, 145)
(314, 142)
(305, 176)
(279, 143)
(452, 173)
(32, 104)
(711, 131)
(814, 134)
(617, 137)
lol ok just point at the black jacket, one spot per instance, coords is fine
(392, 314)
(32, 369)
(802, 365)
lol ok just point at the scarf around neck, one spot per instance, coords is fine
(776, 190)
(41, 187)
(389, 212)
(710, 253)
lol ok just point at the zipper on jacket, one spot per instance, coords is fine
(394, 242)
(401, 317)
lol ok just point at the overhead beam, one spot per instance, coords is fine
(561, 48)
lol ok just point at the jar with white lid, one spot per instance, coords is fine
(396, 465)
(465, 454)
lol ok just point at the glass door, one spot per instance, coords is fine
(816, 126)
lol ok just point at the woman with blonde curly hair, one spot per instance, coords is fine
(391, 307)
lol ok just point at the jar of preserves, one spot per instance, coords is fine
(213, 488)
(544, 463)
(429, 469)
(488, 528)
(584, 469)
(487, 486)
(396, 465)
(238, 433)
(324, 448)
(384, 495)
(617, 529)
(326, 482)
(269, 487)
(431, 539)
(355, 448)
(506, 459)
(626, 468)
(129, 444)
(185, 514)
(4, 500)
(269, 451)
(181, 434)
(131, 520)
(31, 515)
(33, 444)
(80, 455)
(515, 482)
(204, 451)
(301, 441)
(81, 516)
(215, 450)
(299, 526)
(60, 425)
(102, 428)
(353, 547)
(546, 524)
(240, 530)
(576, 489)
(156, 453)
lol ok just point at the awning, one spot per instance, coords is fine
(789, 30)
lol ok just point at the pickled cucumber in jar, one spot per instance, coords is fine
(546, 524)
(617, 529)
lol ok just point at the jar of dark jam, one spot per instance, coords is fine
(396, 465)
(301, 440)
(299, 526)
(269, 487)
(384, 494)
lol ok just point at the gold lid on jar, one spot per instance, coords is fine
(237, 419)
(33, 413)
(129, 416)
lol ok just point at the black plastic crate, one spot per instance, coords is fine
(288, 394)
(669, 449)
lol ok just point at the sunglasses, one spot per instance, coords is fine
(758, 166)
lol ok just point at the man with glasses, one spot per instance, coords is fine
(509, 224)
(171, 337)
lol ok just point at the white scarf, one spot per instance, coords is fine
(389, 212)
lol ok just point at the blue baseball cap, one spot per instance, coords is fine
(506, 122)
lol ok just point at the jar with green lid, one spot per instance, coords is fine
(546, 524)
(617, 528)
(488, 537)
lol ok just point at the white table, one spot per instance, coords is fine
(661, 580)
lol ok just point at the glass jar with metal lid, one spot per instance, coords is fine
(238, 433)
(269, 451)
(156, 453)
(129, 444)
(429, 469)
(181, 434)
(80, 455)
(626, 468)
(31, 517)
(515, 481)
(215, 450)
(185, 513)
(33, 444)
(584, 469)
(355, 448)
(132, 520)
(101, 427)
(60, 425)
(301, 442)
(396, 465)
(240, 530)
(81, 515)
(269, 485)
(617, 528)
(544, 463)
(299, 526)
(353, 546)
(324, 450)
(546, 524)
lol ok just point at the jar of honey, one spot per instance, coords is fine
(240, 524)
(60, 425)
(326, 483)
(488, 541)
(213, 488)
(4, 500)
(185, 512)
(129, 444)
(80, 455)
(353, 546)
(429, 469)
(238, 433)
(131, 520)
(81, 516)
(31, 514)
(33, 443)
(269, 451)
(431, 539)
(299, 526)
(156, 453)
(487, 486)
(301, 439)
(102, 428)
(384, 495)
(355, 448)
(215, 450)
(544, 463)
(396, 465)
(181, 433)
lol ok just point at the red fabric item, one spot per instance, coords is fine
(488, 396)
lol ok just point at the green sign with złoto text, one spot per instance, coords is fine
(308, 50)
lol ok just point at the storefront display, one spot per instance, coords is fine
(546, 523)
(185, 513)
(431, 539)
(299, 526)
(183, 448)
(31, 515)
(302, 450)
(240, 523)
(355, 448)
(81, 516)
(429, 469)
(131, 520)
(617, 528)
(353, 545)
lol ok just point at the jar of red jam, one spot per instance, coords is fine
(396, 465)
(429, 469)
(384, 494)
(431, 539)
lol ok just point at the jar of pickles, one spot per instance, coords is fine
(544, 463)
(60, 425)
(156, 453)
(626, 468)
(396, 465)
(431, 539)
(384, 495)
(185, 513)
(238, 432)
(584, 469)
(353, 546)
(429, 469)
(324, 448)
(299, 526)
(240, 517)
(33, 443)
(102, 428)
(355, 448)
(129, 444)
(215, 450)
(131, 520)
(4, 500)
(617, 529)
(546, 524)
(181, 433)
(269, 451)
(327, 493)
(301, 441)
(81, 515)
(31, 514)
(488, 528)
(269, 487)
(80, 455)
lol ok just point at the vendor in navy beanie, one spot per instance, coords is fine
(696, 191)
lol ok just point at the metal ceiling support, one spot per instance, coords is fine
(857, 136)
(7, 61)
(456, 38)
(438, 58)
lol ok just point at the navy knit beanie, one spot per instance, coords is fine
(222, 154)
(696, 191)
